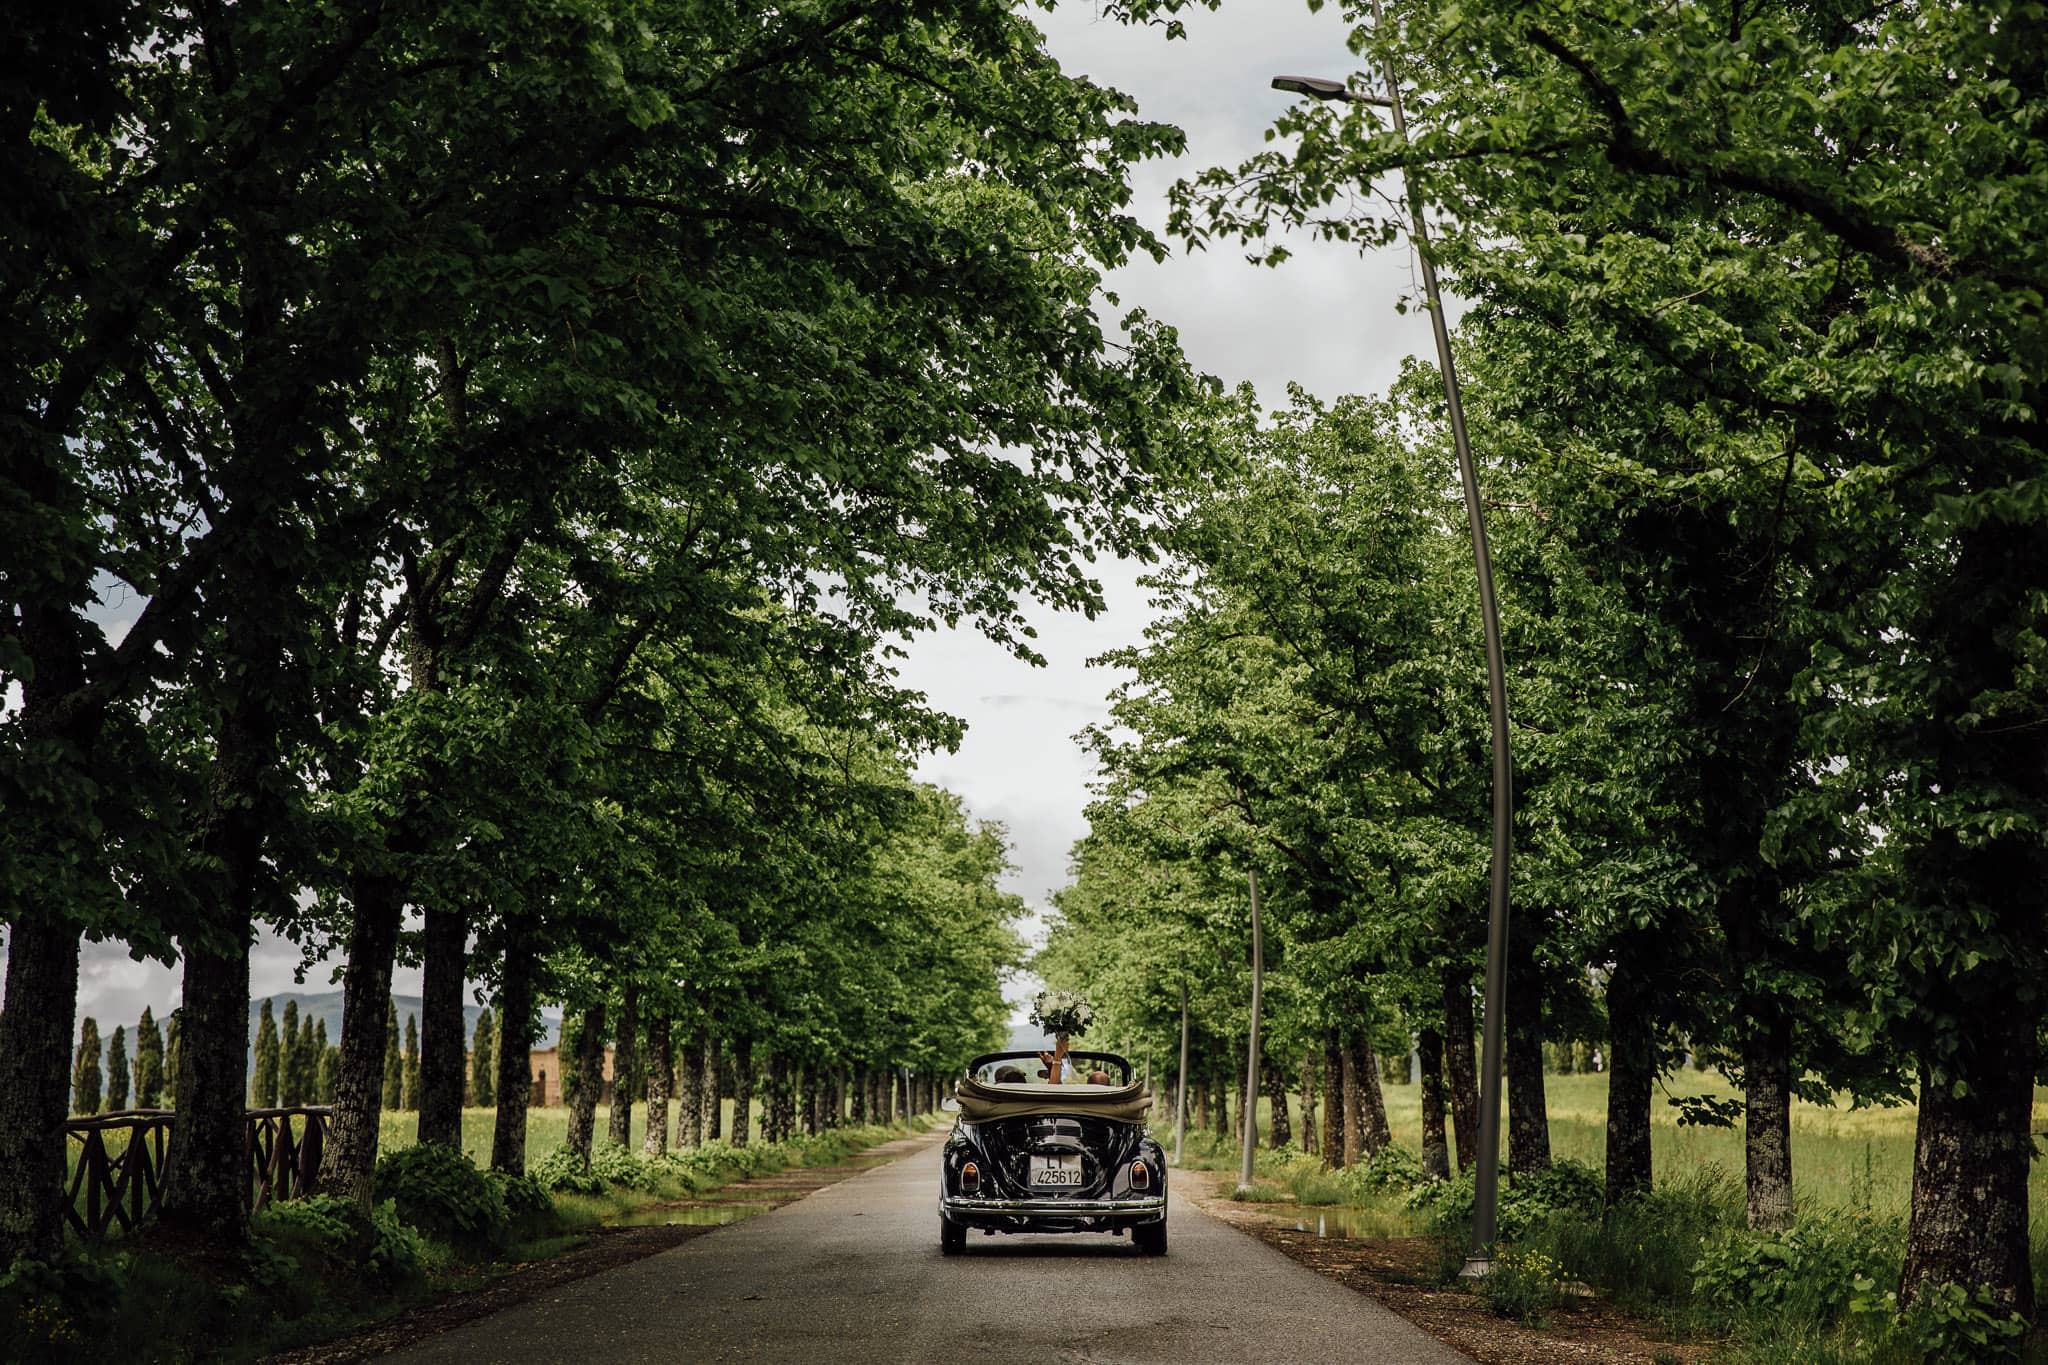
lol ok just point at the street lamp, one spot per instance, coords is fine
(1180, 1101)
(1486, 1191)
(1251, 1070)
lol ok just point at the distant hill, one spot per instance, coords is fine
(327, 1005)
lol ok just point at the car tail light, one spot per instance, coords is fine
(1141, 1176)
(970, 1178)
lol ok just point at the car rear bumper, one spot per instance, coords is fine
(1053, 1215)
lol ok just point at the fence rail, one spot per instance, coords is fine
(119, 1191)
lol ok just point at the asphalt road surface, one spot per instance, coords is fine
(853, 1273)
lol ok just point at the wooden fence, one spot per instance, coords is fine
(120, 1190)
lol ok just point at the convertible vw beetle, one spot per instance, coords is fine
(1035, 1157)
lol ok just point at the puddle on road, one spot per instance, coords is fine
(712, 1215)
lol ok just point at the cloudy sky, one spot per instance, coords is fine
(1326, 320)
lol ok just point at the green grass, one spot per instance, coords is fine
(1842, 1158)
(546, 1129)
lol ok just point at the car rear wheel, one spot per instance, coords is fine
(952, 1237)
(1150, 1238)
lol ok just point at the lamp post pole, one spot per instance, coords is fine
(1486, 1189)
(1180, 1118)
(1251, 1068)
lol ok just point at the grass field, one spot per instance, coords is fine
(545, 1128)
(1842, 1158)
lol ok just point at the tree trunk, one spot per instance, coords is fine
(38, 1013)
(1528, 1108)
(348, 1162)
(1335, 1153)
(35, 1084)
(783, 1078)
(206, 1168)
(1971, 1158)
(442, 1041)
(1372, 1103)
(1767, 1116)
(1276, 1102)
(810, 1098)
(1462, 1068)
(689, 1092)
(713, 1108)
(625, 1068)
(206, 1175)
(1436, 1153)
(1311, 1140)
(1631, 1076)
(900, 1088)
(1355, 1149)
(1219, 1106)
(742, 1089)
(590, 1039)
(515, 1057)
(659, 1065)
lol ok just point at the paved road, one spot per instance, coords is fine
(853, 1273)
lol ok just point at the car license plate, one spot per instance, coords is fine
(1048, 1172)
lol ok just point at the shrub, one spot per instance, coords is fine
(1812, 1268)
(396, 1251)
(438, 1189)
(562, 1170)
(1523, 1285)
(1392, 1167)
(54, 1306)
(1564, 1187)
(531, 1211)
(1946, 1322)
(1449, 1202)
(320, 1220)
(619, 1166)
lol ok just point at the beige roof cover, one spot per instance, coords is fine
(981, 1102)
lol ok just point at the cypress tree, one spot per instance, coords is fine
(117, 1069)
(85, 1069)
(394, 1065)
(171, 1027)
(483, 1062)
(149, 1062)
(288, 1092)
(327, 1061)
(263, 1089)
(411, 1074)
(309, 1060)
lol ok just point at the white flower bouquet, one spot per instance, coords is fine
(1062, 1013)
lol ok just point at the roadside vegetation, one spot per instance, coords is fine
(317, 1268)
(1681, 1257)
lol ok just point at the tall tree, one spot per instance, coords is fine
(287, 1047)
(394, 1058)
(483, 1063)
(263, 1081)
(409, 1070)
(85, 1069)
(325, 1059)
(149, 1062)
(117, 1069)
(173, 1027)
